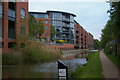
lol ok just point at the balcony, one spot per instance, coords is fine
(65, 25)
(11, 14)
(77, 35)
(66, 19)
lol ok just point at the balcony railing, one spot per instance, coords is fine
(11, 14)
(65, 19)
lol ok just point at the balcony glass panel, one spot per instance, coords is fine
(11, 13)
(57, 16)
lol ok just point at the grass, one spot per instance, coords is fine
(30, 55)
(114, 59)
(93, 69)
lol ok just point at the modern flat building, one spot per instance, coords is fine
(44, 18)
(90, 41)
(83, 39)
(64, 24)
(11, 14)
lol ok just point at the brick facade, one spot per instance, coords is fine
(12, 18)
(46, 33)
(83, 39)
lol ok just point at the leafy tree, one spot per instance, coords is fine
(53, 31)
(35, 27)
(97, 44)
(112, 29)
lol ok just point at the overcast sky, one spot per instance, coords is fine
(91, 15)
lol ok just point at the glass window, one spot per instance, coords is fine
(46, 28)
(22, 13)
(71, 18)
(1, 44)
(11, 44)
(22, 30)
(46, 21)
(0, 7)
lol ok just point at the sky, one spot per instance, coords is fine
(92, 16)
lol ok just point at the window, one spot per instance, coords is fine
(11, 44)
(46, 21)
(1, 44)
(46, 28)
(22, 13)
(0, 7)
(22, 31)
(23, 0)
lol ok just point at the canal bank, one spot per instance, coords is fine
(92, 69)
(41, 70)
(45, 70)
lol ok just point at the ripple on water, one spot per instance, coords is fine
(52, 67)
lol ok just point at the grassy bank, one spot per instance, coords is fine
(30, 55)
(114, 59)
(92, 69)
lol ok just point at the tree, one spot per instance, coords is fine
(53, 32)
(35, 27)
(97, 44)
(112, 29)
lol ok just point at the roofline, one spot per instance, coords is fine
(38, 12)
(62, 12)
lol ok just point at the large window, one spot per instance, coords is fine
(57, 16)
(40, 15)
(57, 23)
(22, 30)
(22, 13)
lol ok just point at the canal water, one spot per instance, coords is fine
(46, 70)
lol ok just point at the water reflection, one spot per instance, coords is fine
(52, 67)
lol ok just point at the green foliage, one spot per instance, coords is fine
(40, 27)
(97, 44)
(93, 68)
(35, 27)
(53, 32)
(112, 29)
(30, 54)
(114, 59)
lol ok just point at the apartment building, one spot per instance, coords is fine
(64, 24)
(83, 39)
(44, 18)
(11, 14)
(90, 41)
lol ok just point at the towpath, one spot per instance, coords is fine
(110, 70)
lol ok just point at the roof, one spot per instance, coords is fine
(61, 12)
(38, 12)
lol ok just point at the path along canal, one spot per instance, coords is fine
(46, 70)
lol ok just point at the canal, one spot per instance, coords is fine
(46, 70)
